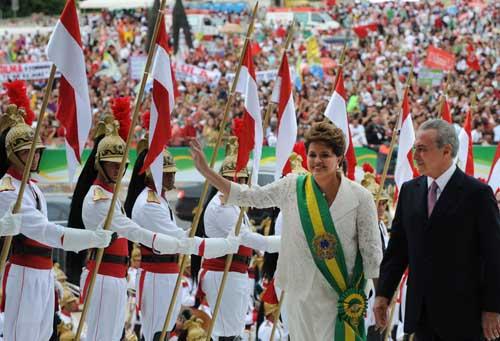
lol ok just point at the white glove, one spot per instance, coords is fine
(218, 247)
(76, 239)
(165, 244)
(10, 224)
(257, 241)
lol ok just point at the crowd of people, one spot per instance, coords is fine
(375, 68)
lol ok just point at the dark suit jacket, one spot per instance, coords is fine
(453, 256)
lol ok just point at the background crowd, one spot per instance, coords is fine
(375, 67)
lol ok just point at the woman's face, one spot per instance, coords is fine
(321, 160)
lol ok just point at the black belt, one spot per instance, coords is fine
(159, 258)
(108, 258)
(31, 250)
(239, 258)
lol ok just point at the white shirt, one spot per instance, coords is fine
(442, 180)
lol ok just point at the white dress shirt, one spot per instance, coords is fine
(442, 180)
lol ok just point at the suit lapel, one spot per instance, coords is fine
(449, 195)
(421, 197)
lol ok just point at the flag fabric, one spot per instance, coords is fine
(439, 59)
(287, 121)
(73, 108)
(445, 110)
(362, 30)
(314, 58)
(465, 156)
(252, 135)
(494, 177)
(162, 104)
(337, 113)
(405, 169)
(471, 60)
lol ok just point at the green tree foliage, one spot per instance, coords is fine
(27, 7)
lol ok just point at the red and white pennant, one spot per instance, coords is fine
(73, 108)
(162, 104)
(287, 121)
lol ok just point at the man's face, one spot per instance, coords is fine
(497, 197)
(431, 160)
(168, 181)
(23, 155)
(112, 169)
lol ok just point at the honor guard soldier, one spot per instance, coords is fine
(159, 272)
(29, 280)
(219, 221)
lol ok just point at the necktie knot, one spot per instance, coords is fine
(432, 197)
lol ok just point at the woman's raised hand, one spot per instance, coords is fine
(198, 156)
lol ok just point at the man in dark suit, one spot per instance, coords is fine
(447, 231)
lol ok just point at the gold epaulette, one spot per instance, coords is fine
(99, 194)
(152, 197)
(6, 184)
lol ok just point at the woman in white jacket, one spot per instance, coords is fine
(330, 239)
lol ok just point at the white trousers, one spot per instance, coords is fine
(29, 304)
(156, 295)
(107, 308)
(234, 303)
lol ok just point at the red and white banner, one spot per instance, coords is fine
(73, 109)
(405, 169)
(465, 156)
(336, 111)
(439, 59)
(252, 135)
(26, 71)
(162, 104)
(287, 121)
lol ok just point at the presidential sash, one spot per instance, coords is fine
(327, 252)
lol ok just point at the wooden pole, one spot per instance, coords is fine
(197, 216)
(271, 106)
(121, 171)
(29, 162)
(445, 93)
(341, 64)
(393, 142)
(277, 315)
(392, 305)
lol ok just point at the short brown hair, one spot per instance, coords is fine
(327, 133)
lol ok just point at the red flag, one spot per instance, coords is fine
(445, 111)
(162, 104)
(439, 59)
(472, 60)
(73, 109)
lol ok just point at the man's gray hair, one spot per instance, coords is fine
(446, 134)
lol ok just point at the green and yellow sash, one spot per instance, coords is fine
(328, 255)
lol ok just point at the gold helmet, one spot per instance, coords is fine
(20, 136)
(228, 167)
(296, 164)
(110, 149)
(68, 298)
(371, 184)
